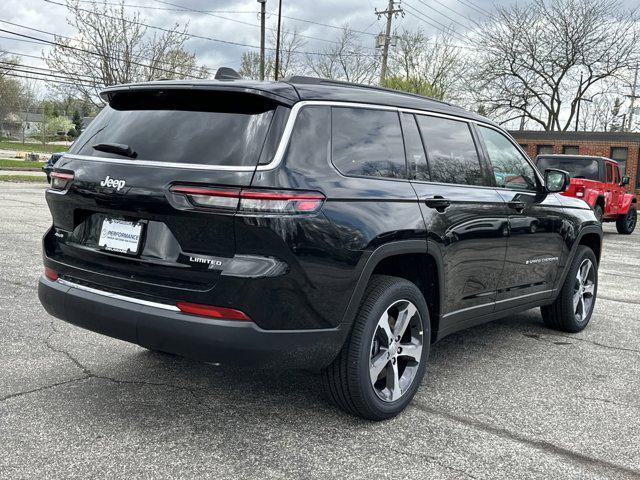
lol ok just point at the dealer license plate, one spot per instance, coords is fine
(120, 236)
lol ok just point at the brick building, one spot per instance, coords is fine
(621, 146)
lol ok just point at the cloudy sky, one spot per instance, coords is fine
(237, 21)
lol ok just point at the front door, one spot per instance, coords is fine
(465, 218)
(535, 244)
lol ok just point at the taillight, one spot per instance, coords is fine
(61, 180)
(580, 189)
(211, 311)
(50, 274)
(252, 200)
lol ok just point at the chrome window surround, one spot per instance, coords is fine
(286, 136)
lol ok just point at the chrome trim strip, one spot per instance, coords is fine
(282, 145)
(496, 302)
(115, 296)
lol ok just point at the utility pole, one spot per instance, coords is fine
(277, 72)
(262, 19)
(390, 12)
(579, 102)
(633, 97)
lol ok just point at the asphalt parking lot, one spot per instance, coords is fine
(510, 399)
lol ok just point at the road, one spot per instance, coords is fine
(510, 399)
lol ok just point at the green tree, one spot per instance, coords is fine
(412, 84)
(77, 121)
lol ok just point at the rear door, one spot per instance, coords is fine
(466, 219)
(127, 221)
(535, 242)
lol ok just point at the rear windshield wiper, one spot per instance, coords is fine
(117, 148)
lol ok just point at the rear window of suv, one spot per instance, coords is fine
(190, 127)
(577, 167)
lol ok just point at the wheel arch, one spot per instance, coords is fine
(408, 259)
(590, 236)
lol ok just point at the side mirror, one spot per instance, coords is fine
(556, 181)
(625, 181)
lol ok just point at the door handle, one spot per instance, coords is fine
(517, 206)
(437, 202)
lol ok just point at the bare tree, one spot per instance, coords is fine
(113, 46)
(291, 57)
(540, 60)
(436, 61)
(347, 59)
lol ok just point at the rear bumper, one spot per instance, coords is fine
(239, 343)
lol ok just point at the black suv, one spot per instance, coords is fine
(311, 224)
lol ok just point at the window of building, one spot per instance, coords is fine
(619, 154)
(510, 168)
(451, 151)
(367, 142)
(571, 150)
(523, 146)
(638, 171)
(544, 149)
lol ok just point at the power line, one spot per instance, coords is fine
(457, 13)
(47, 80)
(297, 19)
(444, 29)
(61, 45)
(205, 12)
(192, 35)
(480, 10)
(443, 14)
(47, 71)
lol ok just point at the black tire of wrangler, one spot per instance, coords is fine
(560, 314)
(598, 212)
(343, 380)
(622, 223)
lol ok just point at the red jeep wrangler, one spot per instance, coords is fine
(597, 181)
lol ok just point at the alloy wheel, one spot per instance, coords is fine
(584, 290)
(396, 350)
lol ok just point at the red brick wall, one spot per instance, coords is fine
(599, 148)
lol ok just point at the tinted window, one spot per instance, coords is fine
(180, 127)
(416, 159)
(577, 167)
(510, 168)
(609, 173)
(367, 142)
(451, 152)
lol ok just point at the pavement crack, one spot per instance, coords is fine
(602, 345)
(538, 444)
(432, 459)
(40, 389)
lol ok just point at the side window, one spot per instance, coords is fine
(609, 172)
(367, 142)
(616, 174)
(451, 151)
(510, 168)
(416, 159)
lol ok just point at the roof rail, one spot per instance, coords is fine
(301, 79)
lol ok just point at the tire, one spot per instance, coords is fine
(565, 314)
(598, 212)
(626, 224)
(348, 380)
